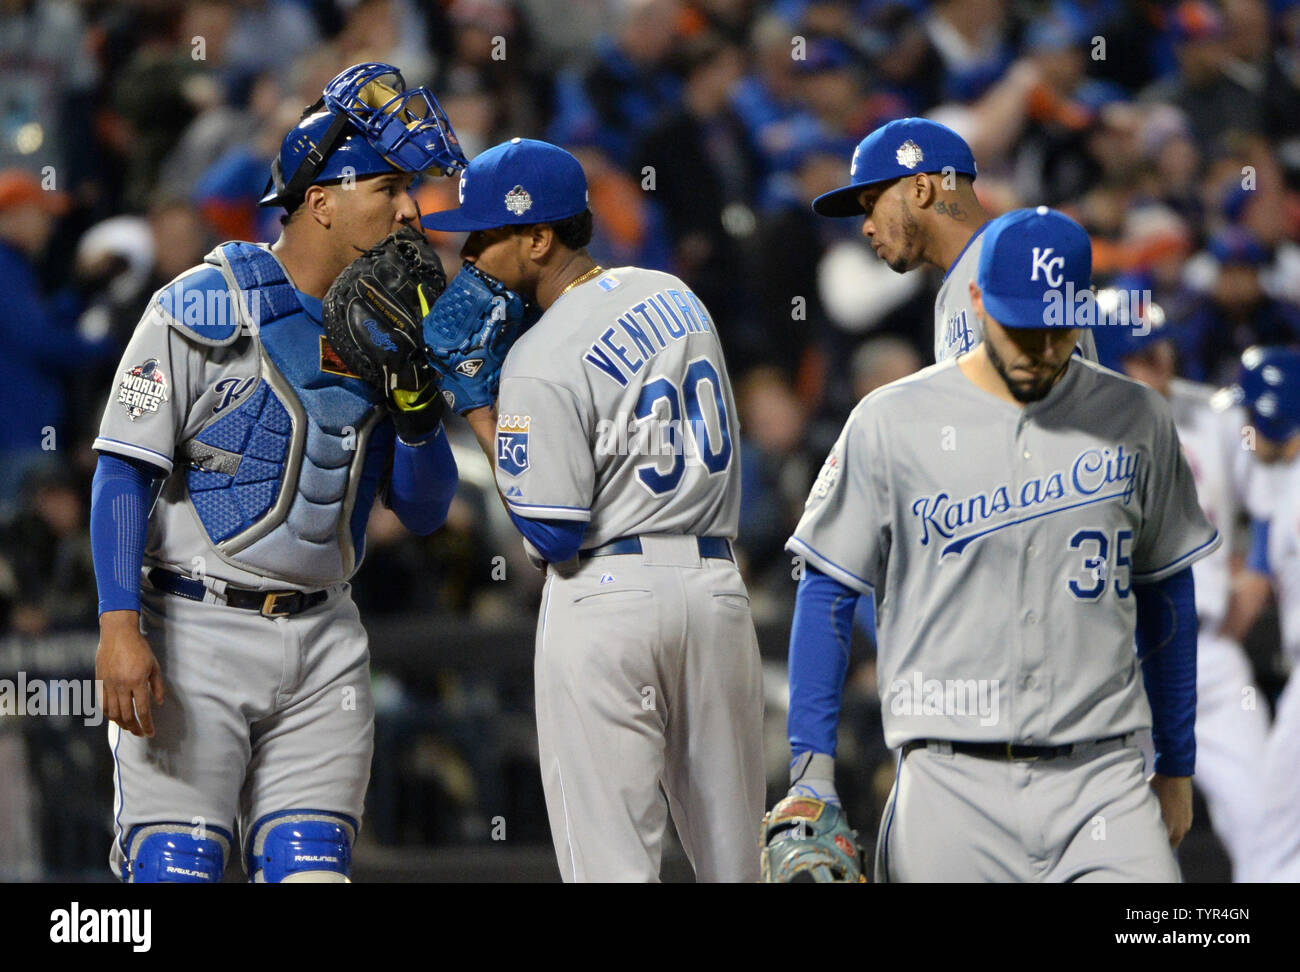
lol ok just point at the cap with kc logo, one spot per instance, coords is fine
(902, 147)
(516, 183)
(1029, 258)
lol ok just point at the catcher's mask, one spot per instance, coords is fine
(366, 123)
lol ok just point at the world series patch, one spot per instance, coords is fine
(143, 389)
(827, 477)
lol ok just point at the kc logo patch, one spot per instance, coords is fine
(512, 443)
(143, 389)
(518, 201)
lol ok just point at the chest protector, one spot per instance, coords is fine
(274, 479)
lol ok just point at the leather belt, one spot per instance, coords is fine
(1008, 751)
(269, 604)
(718, 548)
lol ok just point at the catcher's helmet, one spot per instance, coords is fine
(365, 123)
(1269, 385)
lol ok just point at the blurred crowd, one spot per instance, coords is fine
(137, 134)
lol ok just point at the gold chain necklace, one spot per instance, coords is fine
(583, 279)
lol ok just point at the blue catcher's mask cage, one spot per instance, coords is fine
(366, 122)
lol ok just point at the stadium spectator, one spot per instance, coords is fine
(42, 352)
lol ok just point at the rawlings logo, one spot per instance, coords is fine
(381, 340)
(518, 201)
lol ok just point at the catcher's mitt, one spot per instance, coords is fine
(805, 840)
(371, 316)
(467, 335)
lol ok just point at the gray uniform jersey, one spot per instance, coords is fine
(616, 409)
(956, 328)
(168, 388)
(1001, 545)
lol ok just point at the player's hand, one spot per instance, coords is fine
(125, 665)
(813, 775)
(1175, 796)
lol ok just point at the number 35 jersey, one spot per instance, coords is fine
(1002, 544)
(615, 409)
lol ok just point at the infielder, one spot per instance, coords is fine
(239, 460)
(616, 451)
(1016, 514)
(913, 180)
(1231, 719)
(1268, 385)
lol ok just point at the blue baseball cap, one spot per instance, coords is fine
(1268, 383)
(1126, 324)
(903, 147)
(1027, 256)
(516, 183)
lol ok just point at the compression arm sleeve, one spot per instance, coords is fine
(819, 660)
(119, 520)
(1166, 642)
(556, 540)
(424, 481)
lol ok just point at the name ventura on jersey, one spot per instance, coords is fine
(1110, 472)
(678, 313)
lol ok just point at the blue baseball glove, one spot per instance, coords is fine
(467, 335)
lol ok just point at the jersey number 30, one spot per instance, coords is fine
(714, 455)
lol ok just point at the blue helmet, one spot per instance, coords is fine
(1269, 385)
(365, 123)
(1125, 328)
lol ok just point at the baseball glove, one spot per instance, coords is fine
(807, 841)
(467, 335)
(371, 316)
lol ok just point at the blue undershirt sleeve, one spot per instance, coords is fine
(1257, 554)
(119, 520)
(423, 483)
(1166, 643)
(556, 540)
(820, 636)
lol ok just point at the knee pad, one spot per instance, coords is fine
(301, 846)
(171, 853)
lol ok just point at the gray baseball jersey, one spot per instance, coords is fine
(616, 410)
(956, 328)
(1001, 544)
(636, 432)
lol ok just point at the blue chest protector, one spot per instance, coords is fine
(283, 482)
